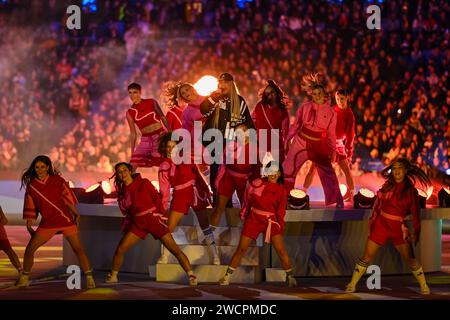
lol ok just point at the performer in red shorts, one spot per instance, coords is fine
(49, 194)
(264, 211)
(148, 117)
(5, 245)
(233, 177)
(345, 135)
(189, 190)
(271, 114)
(141, 204)
(395, 200)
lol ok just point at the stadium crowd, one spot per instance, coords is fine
(60, 87)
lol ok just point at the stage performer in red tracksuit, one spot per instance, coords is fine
(141, 203)
(233, 177)
(313, 137)
(271, 113)
(189, 190)
(50, 195)
(345, 135)
(264, 211)
(184, 92)
(5, 245)
(175, 104)
(149, 118)
(397, 198)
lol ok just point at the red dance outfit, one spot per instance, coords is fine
(388, 213)
(345, 133)
(234, 176)
(144, 114)
(267, 117)
(174, 118)
(4, 242)
(189, 187)
(50, 198)
(264, 209)
(143, 209)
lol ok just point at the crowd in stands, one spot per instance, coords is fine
(398, 75)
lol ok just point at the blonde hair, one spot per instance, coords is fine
(312, 81)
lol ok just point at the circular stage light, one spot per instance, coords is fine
(92, 187)
(422, 198)
(206, 85)
(298, 200)
(364, 199)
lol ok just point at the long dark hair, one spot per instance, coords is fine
(162, 143)
(413, 175)
(347, 94)
(118, 183)
(282, 99)
(29, 174)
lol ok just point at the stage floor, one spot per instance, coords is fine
(51, 282)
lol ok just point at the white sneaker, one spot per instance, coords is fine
(164, 259)
(23, 281)
(291, 281)
(424, 290)
(350, 288)
(111, 279)
(225, 281)
(193, 280)
(90, 282)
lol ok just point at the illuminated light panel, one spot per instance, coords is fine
(367, 193)
(93, 187)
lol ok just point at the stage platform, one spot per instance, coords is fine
(320, 242)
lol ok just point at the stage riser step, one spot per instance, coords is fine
(275, 275)
(202, 255)
(230, 218)
(224, 236)
(206, 274)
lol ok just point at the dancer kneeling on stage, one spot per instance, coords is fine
(6, 246)
(141, 204)
(49, 194)
(189, 190)
(264, 211)
(395, 200)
